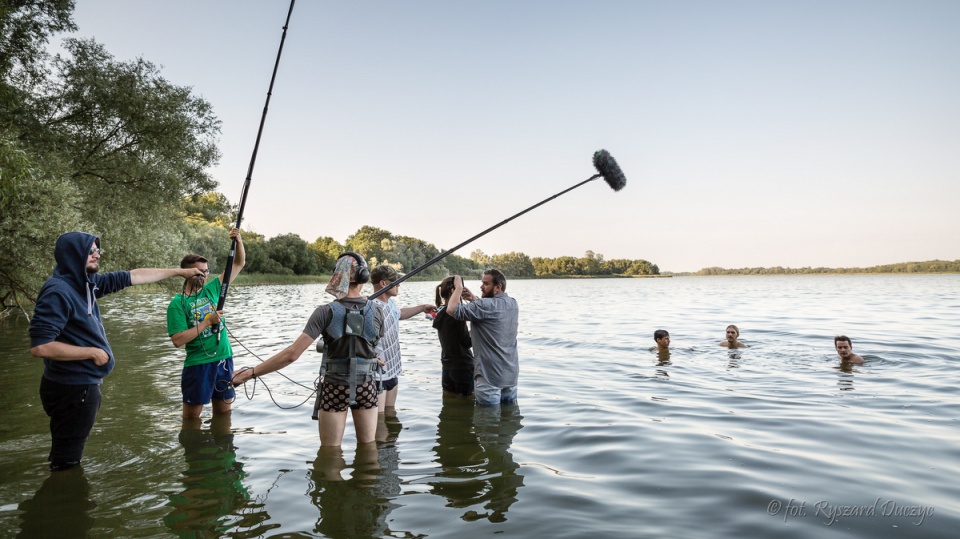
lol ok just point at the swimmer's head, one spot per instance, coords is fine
(844, 346)
(663, 339)
(736, 331)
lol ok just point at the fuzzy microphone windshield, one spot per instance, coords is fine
(609, 169)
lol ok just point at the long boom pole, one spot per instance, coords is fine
(227, 271)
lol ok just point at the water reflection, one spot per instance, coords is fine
(213, 487)
(473, 450)
(354, 507)
(845, 379)
(734, 362)
(663, 360)
(60, 509)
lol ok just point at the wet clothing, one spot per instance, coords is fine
(486, 394)
(336, 397)
(326, 323)
(73, 411)
(494, 324)
(67, 311)
(387, 385)
(208, 362)
(338, 347)
(199, 384)
(455, 353)
(186, 312)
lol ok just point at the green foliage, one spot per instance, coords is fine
(211, 207)
(466, 268)
(405, 253)
(27, 234)
(258, 256)
(94, 144)
(514, 265)
(291, 253)
(326, 250)
(930, 266)
(592, 265)
(25, 29)
(480, 259)
(209, 240)
(368, 241)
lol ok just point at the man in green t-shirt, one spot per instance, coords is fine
(190, 316)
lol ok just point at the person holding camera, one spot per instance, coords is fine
(191, 317)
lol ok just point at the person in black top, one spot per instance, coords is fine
(455, 344)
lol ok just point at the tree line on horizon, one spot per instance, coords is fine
(929, 266)
(208, 216)
(89, 142)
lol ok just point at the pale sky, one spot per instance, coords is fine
(751, 133)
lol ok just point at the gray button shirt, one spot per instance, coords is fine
(494, 333)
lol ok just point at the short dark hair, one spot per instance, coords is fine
(839, 338)
(659, 334)
(384, 272)
(498, 278)
(189, 260)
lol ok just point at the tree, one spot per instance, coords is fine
(291, 252)
(25, 29)
(411, 253)
(27, 234)
(368, 242)
(326, 250)
(258, 256)
(458, 265)
(110, 147)
(211, 207)
(480, 259)
(210, 241)
(514, 265)
(617, 266)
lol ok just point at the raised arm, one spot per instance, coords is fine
(455, 296)
(239, 258)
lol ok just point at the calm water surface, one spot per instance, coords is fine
(775, 440)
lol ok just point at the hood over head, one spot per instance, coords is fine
(71, 252)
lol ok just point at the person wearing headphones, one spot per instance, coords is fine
(350, 326)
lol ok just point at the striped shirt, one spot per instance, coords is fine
(388, 348)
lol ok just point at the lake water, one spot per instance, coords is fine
(608, 440)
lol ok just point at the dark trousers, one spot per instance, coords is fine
(73, 411)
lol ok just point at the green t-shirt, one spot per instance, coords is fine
(185, 312)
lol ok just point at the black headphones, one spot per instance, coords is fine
(363, 272)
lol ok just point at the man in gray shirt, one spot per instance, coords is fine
(494, 319)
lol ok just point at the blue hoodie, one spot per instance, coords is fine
(67, 310)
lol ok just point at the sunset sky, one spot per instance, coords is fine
(751, 133)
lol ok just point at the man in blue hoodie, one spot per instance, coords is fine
(67, 332)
